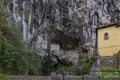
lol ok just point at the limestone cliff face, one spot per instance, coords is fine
(44, 22)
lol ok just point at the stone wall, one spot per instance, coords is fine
(106, 61)
(57, 78)
(29, 78)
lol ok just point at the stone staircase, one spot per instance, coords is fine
(93, 71)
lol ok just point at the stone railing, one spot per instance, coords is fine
(57, 78)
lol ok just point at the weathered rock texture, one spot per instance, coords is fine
(66, 22)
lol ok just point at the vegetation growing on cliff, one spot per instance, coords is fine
(84, 64)
(15, 56)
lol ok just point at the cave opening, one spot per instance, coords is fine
(65, 42)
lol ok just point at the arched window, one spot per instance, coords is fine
(106, 36)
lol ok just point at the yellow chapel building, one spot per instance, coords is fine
(108, 40)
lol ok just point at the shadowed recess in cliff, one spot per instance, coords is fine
(66, 42)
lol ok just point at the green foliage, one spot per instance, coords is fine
(46, 65)
(108, 72)
(80, 71)
(84, 69)
(15, 56)
(84, 66)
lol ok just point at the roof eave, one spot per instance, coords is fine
(116, 24)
